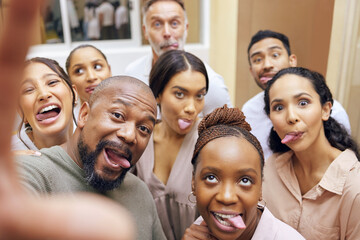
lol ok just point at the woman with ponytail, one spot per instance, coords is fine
(227, 180)
(312, 179)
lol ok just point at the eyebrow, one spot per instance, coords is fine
(151, 118)
(42, 77)
(241, 171)
(185, 90)
(276, 100)
(270, 48)
(94, 61)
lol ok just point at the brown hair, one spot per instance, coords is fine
(225, 122)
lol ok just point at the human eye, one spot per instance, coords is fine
(97, 66)
(257, 60)
(174, 24)
(53, 82)
(278, 107)
(276, 55)
(246, 181)
(79, 71)
(179, 94)
(145, 130)
(303, 102)
(200, 96)
(211, 178)
(157, 24)
(27, 90)
(118, 115)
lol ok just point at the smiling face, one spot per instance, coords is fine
(116, 129)
(46, 102)
(86, 70)
(267, 57)
(165, 27)
(182, 100)
(227, 184)
(296, 112)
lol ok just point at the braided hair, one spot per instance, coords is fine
(225, 122)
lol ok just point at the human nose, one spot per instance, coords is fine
(268, 64)
(292, 116)
(227, 194)
(127, 133)
(43, 93)
(167, 31)
(91, 75)
(190, 107)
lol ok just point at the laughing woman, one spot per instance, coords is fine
(45, 105)
(312, 180)
(179, 82)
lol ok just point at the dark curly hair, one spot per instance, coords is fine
(335, 133)
(225, 122)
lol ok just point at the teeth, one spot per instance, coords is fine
(226, 216)
(48, 108)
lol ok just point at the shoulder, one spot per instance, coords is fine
(138, 64)
(256, 101)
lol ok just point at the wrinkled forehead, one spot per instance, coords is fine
(129, 93)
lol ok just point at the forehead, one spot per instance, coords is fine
(265, 45)
(290, 84)
(85, 54)
(164, 9)
(35, 69)
(127, 94)
(232, 151)
(188, 77)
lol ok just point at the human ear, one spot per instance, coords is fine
(193, 184)
(326, 110)
(76, 96)
(83, 115)
(146, 36)
(293, 60)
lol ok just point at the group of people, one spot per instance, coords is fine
(160, 151)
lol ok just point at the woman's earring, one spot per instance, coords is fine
(261, 204)
(191, 197)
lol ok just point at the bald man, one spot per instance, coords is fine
(113, 131)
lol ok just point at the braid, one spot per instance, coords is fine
(224, 122)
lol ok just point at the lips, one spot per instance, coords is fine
(48, 113)
(184, 123)
(90, 89)
(173, 45)
(117, 159)
(291, 137)
(228, 222)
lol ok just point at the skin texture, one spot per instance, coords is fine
(228, 180)
(87, 69)
(165, 27)
(295, 107)
(267, 57)
(182, 98)
(21, 216)
(41, 87)
(125, 116)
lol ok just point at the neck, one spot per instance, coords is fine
(163, 131)
(155, 57)
(41, 141)
(71, 148)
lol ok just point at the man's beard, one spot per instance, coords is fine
(89, 158)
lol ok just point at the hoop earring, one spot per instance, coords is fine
(261, 204)
(189, 197)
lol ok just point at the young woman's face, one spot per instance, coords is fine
(227, 184)
(182, 100)
(45, 100)
(296, 112)
(87, 69)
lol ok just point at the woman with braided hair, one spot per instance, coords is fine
(179, 82)
(227, 181)
(312, 180)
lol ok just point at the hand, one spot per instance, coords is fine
(199, 232)
(80, 216)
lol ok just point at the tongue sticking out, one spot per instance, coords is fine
(237, 222)
(46, 115)
(183, 124)
(289, 138)
(118, 160)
